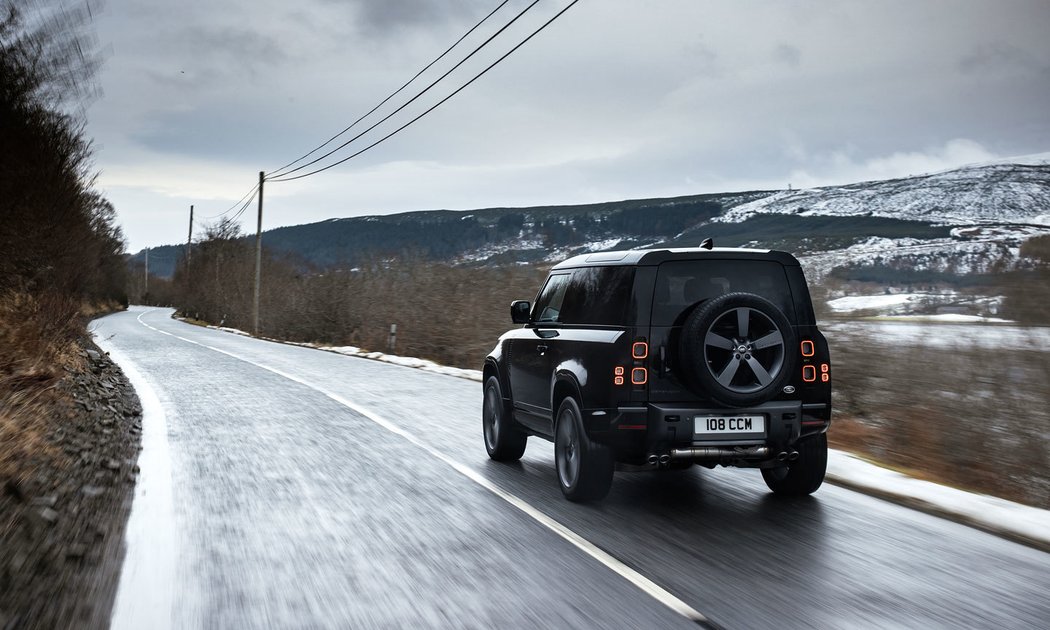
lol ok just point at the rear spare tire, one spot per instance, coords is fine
(737, 349)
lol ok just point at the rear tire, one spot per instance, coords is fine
(804, 475)
(503, 441)
(585, 468)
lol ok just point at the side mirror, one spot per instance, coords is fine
(519, 311)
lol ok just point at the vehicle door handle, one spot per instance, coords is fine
(541, 349)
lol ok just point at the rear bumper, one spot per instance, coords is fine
(635, 432)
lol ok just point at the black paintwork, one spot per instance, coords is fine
(541, 363)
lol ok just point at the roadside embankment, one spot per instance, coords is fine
(69, 438)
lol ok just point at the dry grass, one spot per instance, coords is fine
(37, 342)
(972, 418)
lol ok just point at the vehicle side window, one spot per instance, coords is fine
(598, 296)
(549, 302)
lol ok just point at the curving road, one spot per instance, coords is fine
(313, 490)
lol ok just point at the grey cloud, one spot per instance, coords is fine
(788, 55)
(703, 60)
(380, 16)
(998, 57)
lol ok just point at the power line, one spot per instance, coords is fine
(284, 178)
(245, 205)
(227, 211)
(277, 172)
(424, 91)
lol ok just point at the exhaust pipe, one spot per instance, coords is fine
(721, 455)
(782, 456)
(653, 459)
(792, 456)
(665, 459)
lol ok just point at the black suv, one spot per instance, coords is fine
(658, 359)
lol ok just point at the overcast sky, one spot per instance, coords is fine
(617, 99)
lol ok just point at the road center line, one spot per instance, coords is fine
(634, 577)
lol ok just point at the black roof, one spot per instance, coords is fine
(648, 257)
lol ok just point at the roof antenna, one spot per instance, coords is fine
(707, 244)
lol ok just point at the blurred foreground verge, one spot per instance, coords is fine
(957, 405)
(70, 427)
(68, 419)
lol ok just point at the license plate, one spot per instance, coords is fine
(729, 424)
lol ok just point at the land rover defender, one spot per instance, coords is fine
(662, 358)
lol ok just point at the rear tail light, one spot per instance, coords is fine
(618, 375)
(809, 373)
(808, 349)
(825, 374)
(639, 350)
(639, 376)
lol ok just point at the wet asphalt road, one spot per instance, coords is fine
(293, 510)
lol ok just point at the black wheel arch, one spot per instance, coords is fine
(565, 384)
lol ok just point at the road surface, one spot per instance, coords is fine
(313, 490)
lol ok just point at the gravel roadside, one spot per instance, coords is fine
(62, 529)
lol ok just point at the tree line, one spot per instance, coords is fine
(61, 251)
(449, 314)
(58, 234)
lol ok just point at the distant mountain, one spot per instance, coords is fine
(977, 212)
(996, 193)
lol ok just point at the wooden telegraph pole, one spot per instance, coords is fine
(145, 277)
(189, 239)
(258, 260)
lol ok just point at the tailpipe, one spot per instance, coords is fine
(653, 459)
(792, 456)
(782, 456)
(665, 459)
(721, 455)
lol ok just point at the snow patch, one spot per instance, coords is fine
(862, 302)
(599, 246)
(989, 513)
(949, 318)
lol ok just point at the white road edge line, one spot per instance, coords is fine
(146, 583)
(634, 577)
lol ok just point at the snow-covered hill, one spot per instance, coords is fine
(996, 193)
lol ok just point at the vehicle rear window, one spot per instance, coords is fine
(680, 284)
(598, 296)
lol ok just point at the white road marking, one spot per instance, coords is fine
(634, 577)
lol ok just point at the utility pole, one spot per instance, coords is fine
(145, 279)
(189, 239)
(258, 260)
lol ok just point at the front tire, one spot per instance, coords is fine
(503, 441)
(804, 475)
(585, 468)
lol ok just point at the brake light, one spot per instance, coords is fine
(825, 376)
(808, 349)
(639, 350)
(809, 373)
(639, 376)
(618, 375)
